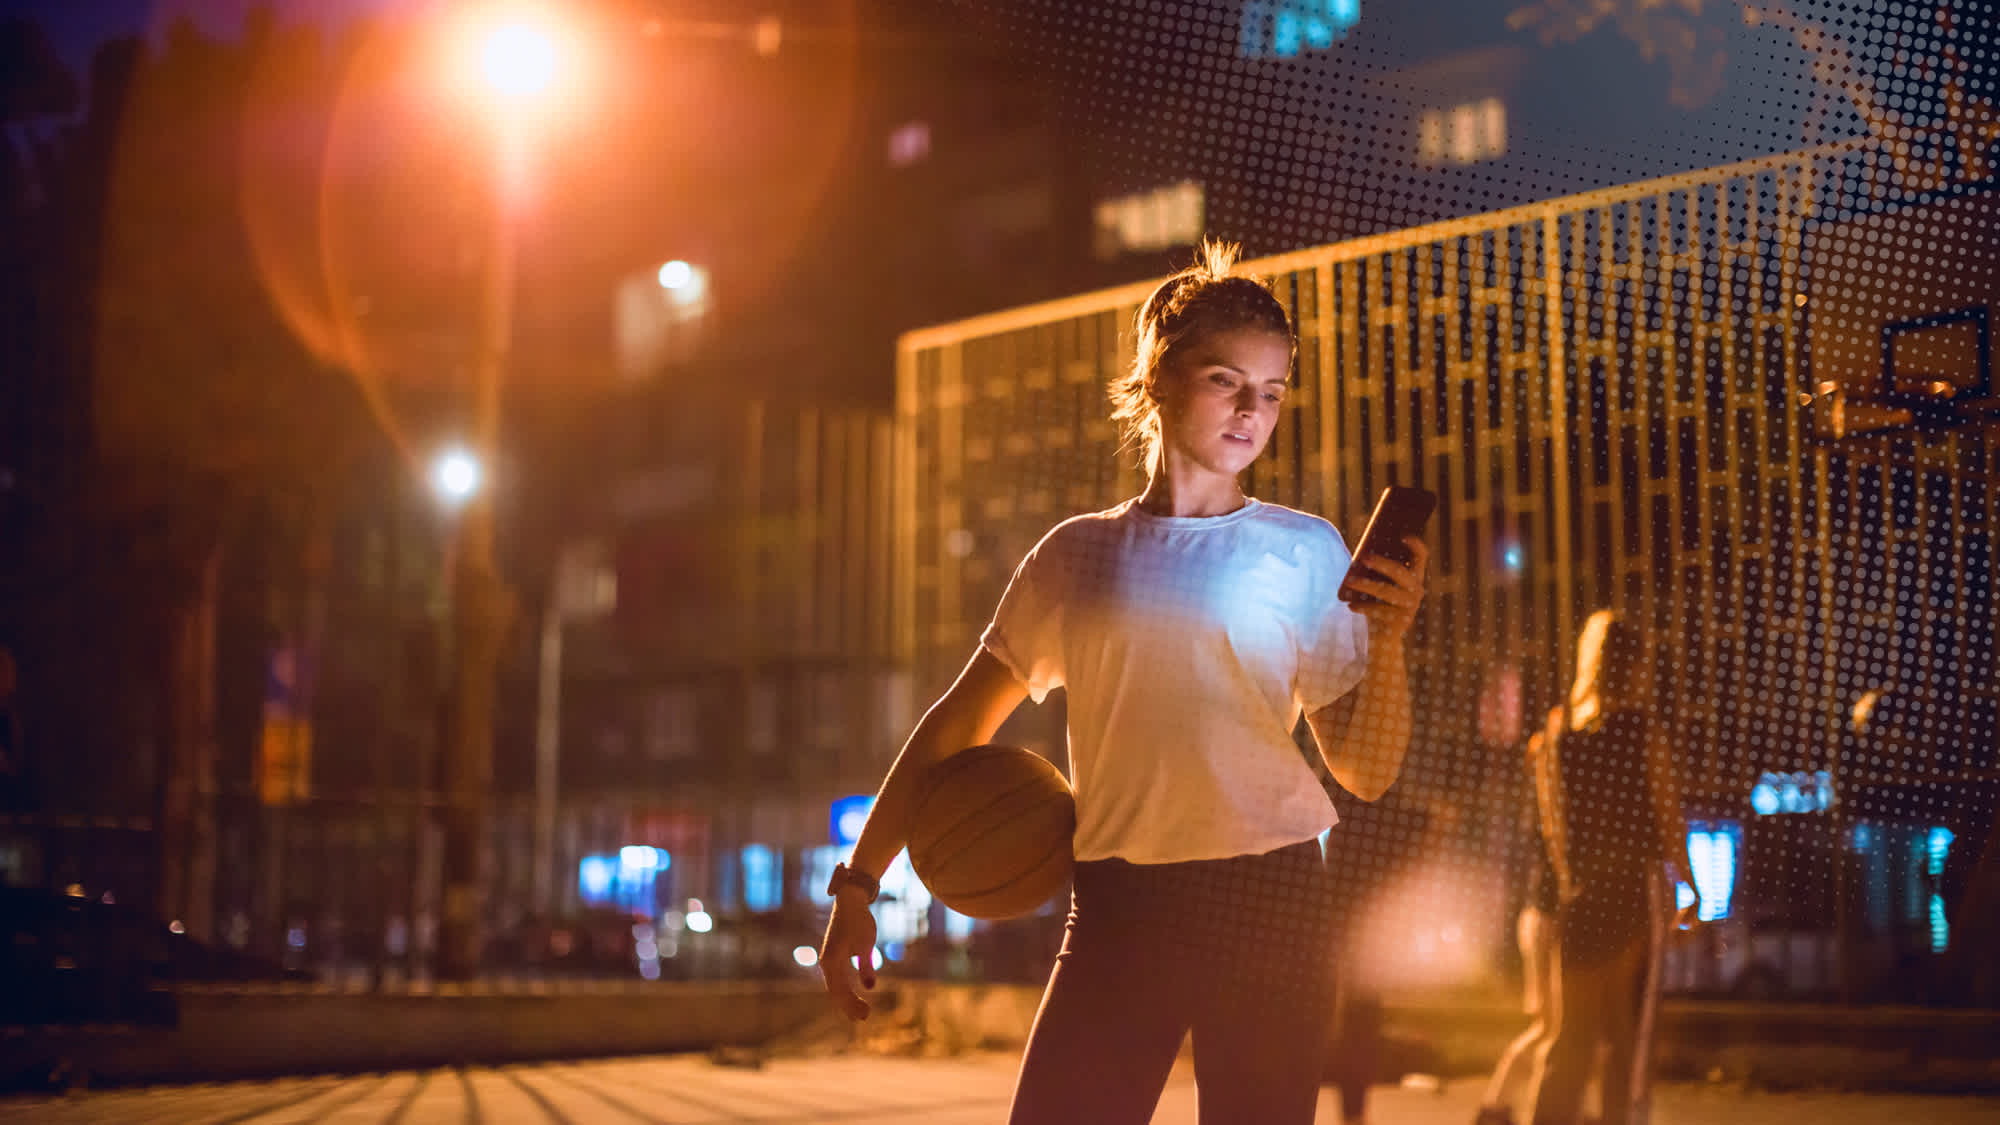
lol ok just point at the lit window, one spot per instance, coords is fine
(1285, 28)
(1151, 220)
(1493, 126)
(819, 871)
(1463, 134)
(1712, 851)
(898, 715)
(625, 879)
(1430, 136)
(763, 882)
(909, 143)
(1800, 792)
(1181, 211)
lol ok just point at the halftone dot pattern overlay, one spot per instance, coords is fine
(1227, 950)
(1185, 646)
(1683, 310)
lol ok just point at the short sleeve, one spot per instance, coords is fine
(1333, 638)
(1026, 631)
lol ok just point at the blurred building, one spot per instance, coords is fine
(731, 684)
(733, 680)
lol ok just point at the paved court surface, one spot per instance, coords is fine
(850, 1089)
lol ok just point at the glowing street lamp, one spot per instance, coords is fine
(455, 475)
(676, 274)
(518, 59)
(684, 286)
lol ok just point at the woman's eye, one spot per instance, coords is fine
(1272, 396)
(1221, 380)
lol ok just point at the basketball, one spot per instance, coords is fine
(993, 832)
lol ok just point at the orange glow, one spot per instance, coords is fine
(521, 66)
(368, 182)
(1433, 927)
(518, 59)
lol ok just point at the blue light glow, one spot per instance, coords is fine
(1936, 848)
(763, 888)
(1286, 28)
(623, 879)
(594, 877)
(1800, 792)
(848, 815)
(1712, 850)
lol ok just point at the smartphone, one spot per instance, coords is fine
(1400, 513)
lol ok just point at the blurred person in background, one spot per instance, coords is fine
(1534, 933)
(1609, 800)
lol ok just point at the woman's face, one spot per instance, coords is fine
(1219, 396)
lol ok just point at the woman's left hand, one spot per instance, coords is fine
(1398, 590)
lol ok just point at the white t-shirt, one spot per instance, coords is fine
(1189, 646)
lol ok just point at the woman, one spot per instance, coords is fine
(1190, 626)
(1612, 825)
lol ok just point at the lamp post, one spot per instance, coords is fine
(517, 63)
(480, 608)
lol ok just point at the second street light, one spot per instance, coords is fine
(518, 62)
(455, 475)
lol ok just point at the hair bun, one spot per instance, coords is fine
(1216, 260)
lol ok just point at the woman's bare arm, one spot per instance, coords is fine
(1554, 807)
(968, 714)
(1364, 735)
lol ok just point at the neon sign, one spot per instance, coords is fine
(1777, 794)
(1284, 28)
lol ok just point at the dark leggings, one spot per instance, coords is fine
(1239, 951)
(1356, 1054)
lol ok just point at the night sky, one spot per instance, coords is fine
(76, 27)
